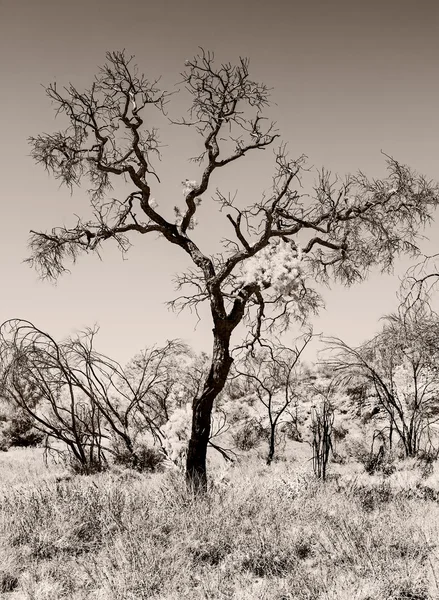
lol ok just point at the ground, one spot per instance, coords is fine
(269, 533)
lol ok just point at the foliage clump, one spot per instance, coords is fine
(20, 431)
(144, 458)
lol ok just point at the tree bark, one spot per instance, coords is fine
(196, 474)
(271, 444)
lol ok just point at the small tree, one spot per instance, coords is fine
(261, 278)
(322, 421)
(82, 398)
(271, 376)
(36, 377)
(399, 369)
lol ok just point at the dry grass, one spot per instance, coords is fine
(260, 533)
(26, 466)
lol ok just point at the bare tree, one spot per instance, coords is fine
(131, 400)
(35, 376)
(159, 371)
(399, 368)
(346, 227)
(81, 397)
(322, 421)
(271, 376)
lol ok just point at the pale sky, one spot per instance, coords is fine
(349, 79)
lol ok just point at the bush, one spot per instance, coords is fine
(339, 432)
(149, 459)
(382, 462)
(8, 582)
(356, 447)
(426, 460)
(144, 458)
(92, 466)
(248, 436)
(4, 443)
(291, 430)
(20, 431)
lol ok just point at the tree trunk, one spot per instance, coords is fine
(196, 475)
(271, 445)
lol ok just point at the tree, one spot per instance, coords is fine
(272, 378)
(261, 278)
(322, 422)
(131, 400)
(399, 367)
(37, 376)
(152, 379)
(82, 398)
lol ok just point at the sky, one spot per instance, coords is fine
(350, 79)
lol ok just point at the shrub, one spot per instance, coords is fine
(382, 461)
(149, 458)
(356, 447)
(426, 460)
(8, 582)
(4, 443)
(143, 458)
(339, 432)
(20, 431)
(89, 468)
(248, 436)
(291, 430)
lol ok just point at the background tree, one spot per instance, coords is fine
(36, 377)
(133, 401)
(399, 371)
(261, 278)
(272, 377)
(82, 398)
(152, 380)
(322, 423)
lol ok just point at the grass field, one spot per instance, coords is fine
(269, 533)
